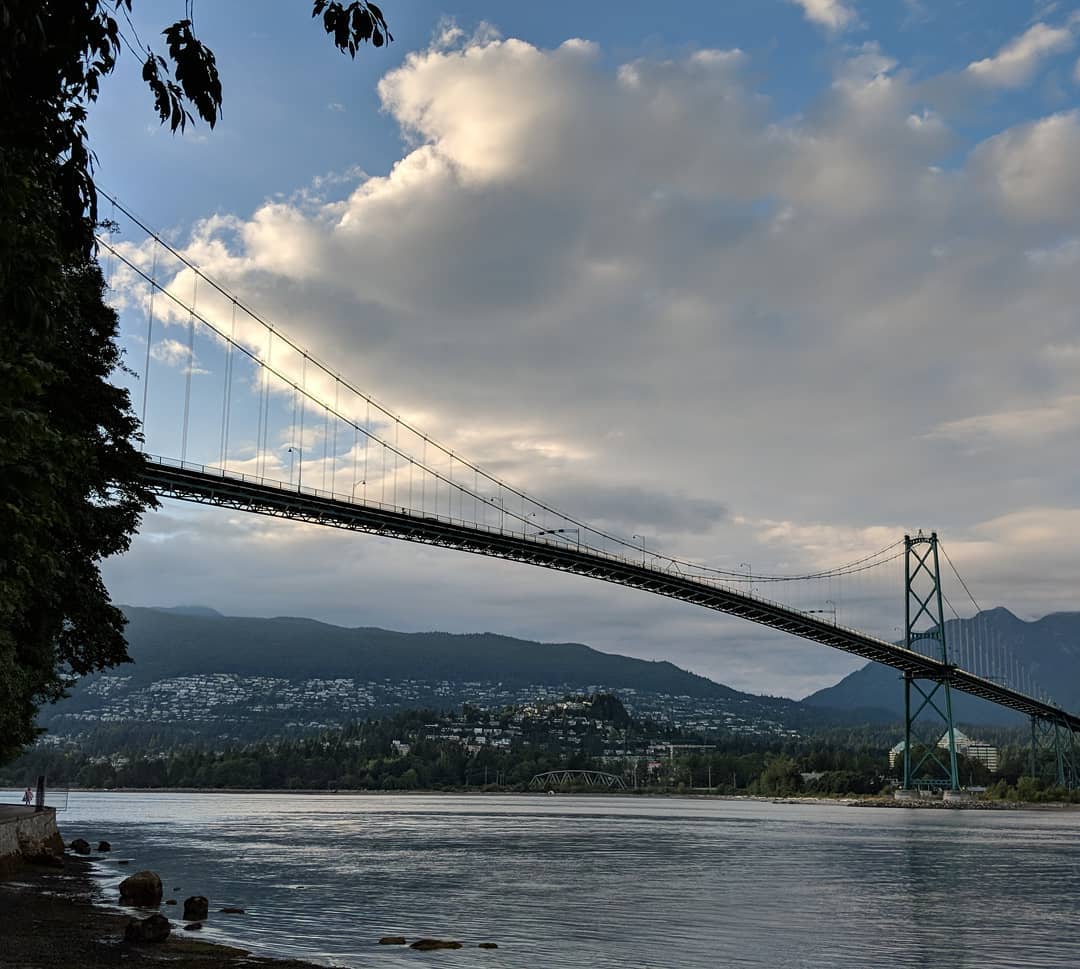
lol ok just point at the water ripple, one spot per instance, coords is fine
(607, 882)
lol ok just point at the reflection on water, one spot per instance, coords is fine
(606, 882)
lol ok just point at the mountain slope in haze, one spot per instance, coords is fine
(1048, 647)
(184, 642)
(196, 672)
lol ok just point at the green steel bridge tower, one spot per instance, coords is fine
(924, 620)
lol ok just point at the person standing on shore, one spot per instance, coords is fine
(28, 797)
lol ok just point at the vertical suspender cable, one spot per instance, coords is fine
(355, 459)
(152, 287)
(190, 368)
(226, 397)
(337, 410)
(397, 465)
(325, 443)
(303, 409)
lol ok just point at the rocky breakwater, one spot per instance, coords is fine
(27, 835)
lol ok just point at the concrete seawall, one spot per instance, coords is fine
(28, 835)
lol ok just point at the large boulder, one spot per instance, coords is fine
(80, 846)
(104, 846)
(156, 928)
(142, 889)
(196, 908)
(427, 945)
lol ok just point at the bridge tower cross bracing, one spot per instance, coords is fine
(924, 620)
(1053, 752)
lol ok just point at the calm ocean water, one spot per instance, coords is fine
(604, 882)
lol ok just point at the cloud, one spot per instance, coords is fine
(173, 353)
(1033, 170)
(642, 292)
(1016, 62)
(1025, 426)
(830, 14)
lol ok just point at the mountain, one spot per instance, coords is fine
(179, 642)
(1049, 648)
(197, 673)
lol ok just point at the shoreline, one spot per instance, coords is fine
(858, 801)
(58, 917)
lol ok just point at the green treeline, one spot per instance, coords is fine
(504, 750)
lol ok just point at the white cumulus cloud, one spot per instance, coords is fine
(641, 292)
(1016, 62)
(830, 14)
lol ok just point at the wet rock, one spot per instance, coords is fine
(193, 927)
(392, 940)
(154, 929)
(142, 889)
(487, 945)
(124, 861)
(80, 846)
(171, 901)
(427, 945)
(48, 852)
(196, 908)
(232, 910)
(104, 846)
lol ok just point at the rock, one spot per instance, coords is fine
(80, 846)
(427, 945)
(232, 910)
(142, 889)
(124, 861)
(104, 846)
(171, 901)
(196, 908)
(392, 940)
(193, 927)
(49, 851)
(156, 928)
(487, 945)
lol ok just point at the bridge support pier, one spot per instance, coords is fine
(924, 619)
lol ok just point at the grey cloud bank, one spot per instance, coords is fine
(639, 293)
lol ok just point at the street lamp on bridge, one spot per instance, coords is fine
(300, 470)
(502, 509)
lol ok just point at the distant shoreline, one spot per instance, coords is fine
(863, 801)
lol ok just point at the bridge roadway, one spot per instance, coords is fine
(188, 482)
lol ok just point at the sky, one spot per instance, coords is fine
(770, 282)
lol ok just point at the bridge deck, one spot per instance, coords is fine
(211, 486)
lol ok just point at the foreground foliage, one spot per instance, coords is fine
(70, 493)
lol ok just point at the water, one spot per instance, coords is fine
(604, 882)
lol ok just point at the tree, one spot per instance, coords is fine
(70, 488)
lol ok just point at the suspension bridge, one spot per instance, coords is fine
(285, 435)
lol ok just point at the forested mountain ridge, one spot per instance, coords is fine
(196, 673)
(1048, 647)
(190, 640)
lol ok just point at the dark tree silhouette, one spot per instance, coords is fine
(70, 491)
